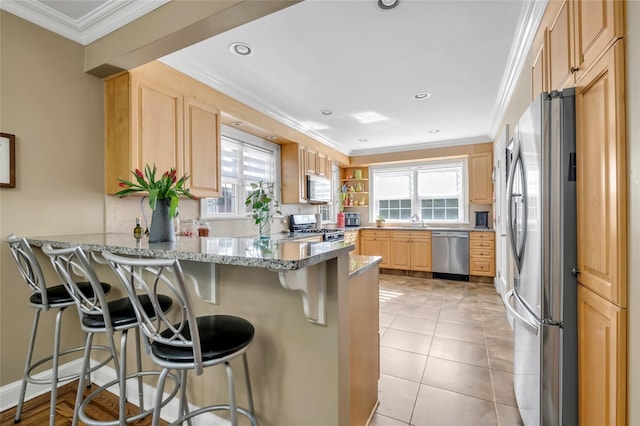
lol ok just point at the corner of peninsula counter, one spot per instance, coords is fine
(301, 359)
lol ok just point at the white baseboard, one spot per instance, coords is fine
(9, 394)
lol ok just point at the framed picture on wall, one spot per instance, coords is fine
(7, 160)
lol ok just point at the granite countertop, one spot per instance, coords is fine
(420, 228)
(359, 264)
(275, 254)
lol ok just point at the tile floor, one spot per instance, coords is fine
(446, 355)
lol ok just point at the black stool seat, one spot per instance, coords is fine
(122, 312)
(220, 336)
(59, 294)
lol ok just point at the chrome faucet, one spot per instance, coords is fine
(415, 219)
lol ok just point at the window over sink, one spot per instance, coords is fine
(435, 191)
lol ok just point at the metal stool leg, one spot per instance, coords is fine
(54, 373)
(122, 372)
(27, 365)
(232, 395)
(248, 382)
(84, 377)
(139, 369)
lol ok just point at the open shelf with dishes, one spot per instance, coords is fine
(354, 186)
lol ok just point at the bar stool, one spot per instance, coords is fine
(42, 299)
(189, 344)
(99, 316)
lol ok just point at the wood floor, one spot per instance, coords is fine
(36, 411)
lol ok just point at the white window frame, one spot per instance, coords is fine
(414, 167)
(243, 139)
(331, 209)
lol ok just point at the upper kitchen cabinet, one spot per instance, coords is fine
(156, 115)
(539, 77)
(480, 183)
(601, 178)
(293, 162)
(572, 36)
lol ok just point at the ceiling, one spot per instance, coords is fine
(351, 58)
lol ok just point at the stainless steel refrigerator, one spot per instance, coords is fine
(541, 195)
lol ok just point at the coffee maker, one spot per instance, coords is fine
(351, 219)
(482, 220)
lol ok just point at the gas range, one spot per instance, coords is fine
(306, 224)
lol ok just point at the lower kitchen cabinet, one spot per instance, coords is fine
(411, 251)
(352, 237)
(375, 242)
(602, 347)
(482, 254)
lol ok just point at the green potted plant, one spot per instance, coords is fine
(164, 196)
(262, 201)
(380, 221)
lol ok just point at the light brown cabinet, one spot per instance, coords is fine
(375, 242)
(480, 183)
(156, 115)
(482, 254)
(575, 33)
(602, 361)
(601, 178)
(352, 237)
(360, 195)
(410, 250)
(293, 161)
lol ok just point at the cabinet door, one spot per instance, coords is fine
(156, 125)
(601, 360)
(598, 23)
(376, 246)
(601, 178)
(202, 148)
(421, 254)
(480, 185)
(312, 162)
(538, 67)
(293, 166)
(400, 253)
(561, 72)
(321, 168)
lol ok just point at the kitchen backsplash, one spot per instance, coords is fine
(121, 213)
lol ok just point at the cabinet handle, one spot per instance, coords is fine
(575, 69)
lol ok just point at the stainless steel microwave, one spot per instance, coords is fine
(318, 190)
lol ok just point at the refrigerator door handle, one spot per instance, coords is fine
(507, 303)
(517, 249)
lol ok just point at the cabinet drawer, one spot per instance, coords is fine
(482, 267)
(482, 244)
(482, 236)
(374, 233)
(482, 253)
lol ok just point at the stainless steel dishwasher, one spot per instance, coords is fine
(450, 253)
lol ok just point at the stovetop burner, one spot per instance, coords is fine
(306, 224)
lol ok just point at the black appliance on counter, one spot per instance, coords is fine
(305, 224)
(482, 220)
(351, 219)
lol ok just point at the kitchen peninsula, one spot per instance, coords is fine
(315, 357)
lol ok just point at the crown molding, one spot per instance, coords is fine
(422, 145)
(101, 21)
(528, 23)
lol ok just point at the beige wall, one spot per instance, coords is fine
(632, 41)
(55, 111)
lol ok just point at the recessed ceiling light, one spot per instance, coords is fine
(242, 49)
(363, 140)
(236, 123)
(421, 96)
(434, 130)
(326, 112)
(388, 4)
